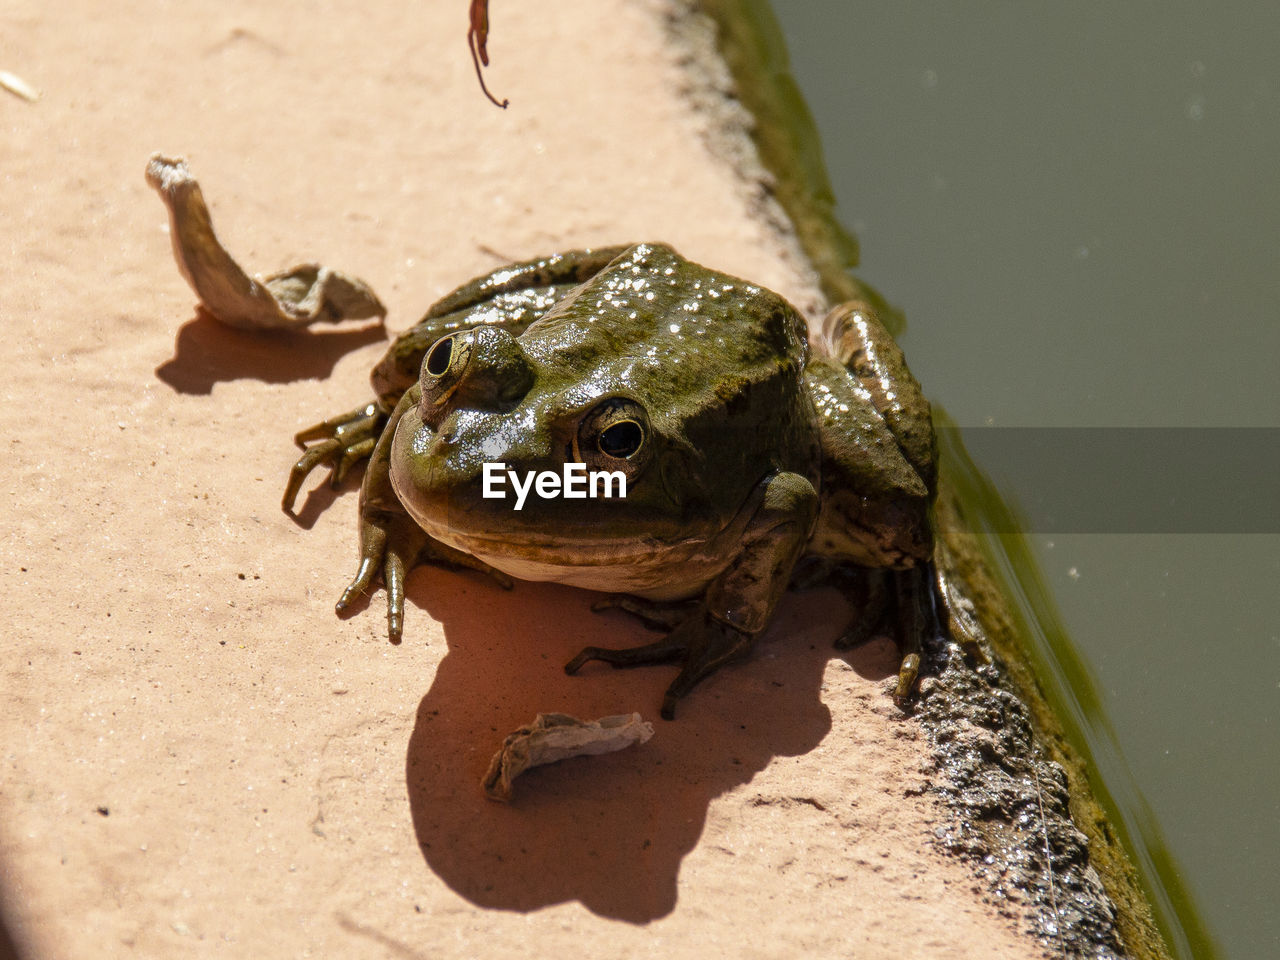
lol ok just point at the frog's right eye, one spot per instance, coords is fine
(443, 370)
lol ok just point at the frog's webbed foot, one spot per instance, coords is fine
(904, 607)
(701, 643)
(874, 614)
(654, 614)
(343, 441)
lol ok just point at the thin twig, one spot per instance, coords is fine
(1048, 860)
(477, 37)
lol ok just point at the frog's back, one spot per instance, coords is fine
(662, 324)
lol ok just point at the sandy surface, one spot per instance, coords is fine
(198, 756)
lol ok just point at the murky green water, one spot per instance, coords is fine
(1078, 208)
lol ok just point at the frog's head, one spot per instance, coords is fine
(609, 388)
(498, 454)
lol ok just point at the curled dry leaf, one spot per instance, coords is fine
(557, 736)
(289, 300)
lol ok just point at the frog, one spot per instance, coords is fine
(751, 453)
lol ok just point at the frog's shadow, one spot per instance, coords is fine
(206, 352)
(609, 831)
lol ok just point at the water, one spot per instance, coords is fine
(1078, 208)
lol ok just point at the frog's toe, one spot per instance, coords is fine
(393, 569)
(358, 586)
(718, 649)
(666, 650)
(902, 604)
(340, 442)
(389, 547)
(349, 458)
(393, 575)
(362, 419)
(313, 457)
(907, 674)
(917, 605)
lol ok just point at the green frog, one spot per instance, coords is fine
(679, 443)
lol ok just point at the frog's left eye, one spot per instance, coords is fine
(613, 435)
(445, 364)
(439, 356)
(482, 368)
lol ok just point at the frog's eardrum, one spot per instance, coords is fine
(290, 300)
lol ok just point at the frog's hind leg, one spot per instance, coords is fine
(916, 613)
(874, 616)
(654, 614)
(853, 335)
(702, 643)
(920, 615)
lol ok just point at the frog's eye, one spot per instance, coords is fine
(482, 369)
(442, 373)
(621, 440)
(614, 434)
(438, 357)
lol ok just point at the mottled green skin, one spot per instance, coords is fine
(752, 451)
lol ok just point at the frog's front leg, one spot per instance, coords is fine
(343, 441)
(391, 543)
(739, 603)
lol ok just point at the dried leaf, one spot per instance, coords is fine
(557, 736)
(294, 298)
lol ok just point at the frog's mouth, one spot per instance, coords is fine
(557, 547)
(603, 565)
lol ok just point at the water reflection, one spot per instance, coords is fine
(1077, 209)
